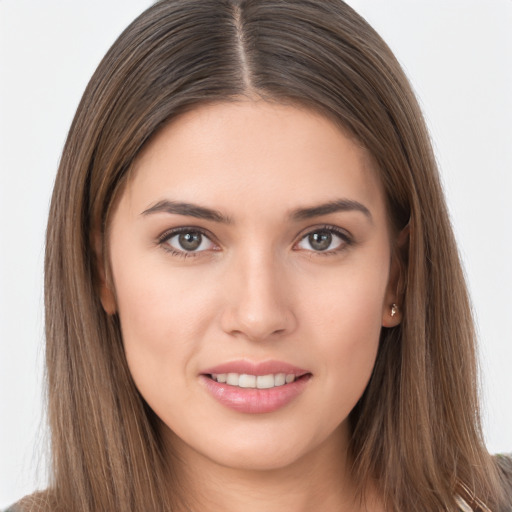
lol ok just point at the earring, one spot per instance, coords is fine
(394, 309)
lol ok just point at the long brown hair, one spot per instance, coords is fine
(416, 429)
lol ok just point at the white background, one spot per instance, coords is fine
(458, 55)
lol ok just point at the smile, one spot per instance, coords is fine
(255, 388)
(245, 380)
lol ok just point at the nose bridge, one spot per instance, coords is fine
(260, 303)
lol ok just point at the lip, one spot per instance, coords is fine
(253, 400)
(253, 368)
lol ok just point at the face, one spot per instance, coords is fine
(250, 259)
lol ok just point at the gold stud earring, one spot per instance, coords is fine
(394, 309)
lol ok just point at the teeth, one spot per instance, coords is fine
(280, 379)
(233, 379)
(265, 381)
(245, 380)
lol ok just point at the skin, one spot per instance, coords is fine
(257, 289)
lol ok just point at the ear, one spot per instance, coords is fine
(104, 284)
(392, 312)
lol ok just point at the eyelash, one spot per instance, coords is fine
(346, 238)
(165, 237)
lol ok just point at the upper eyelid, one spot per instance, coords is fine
(341, 232)
(163, 239)
(169, 233)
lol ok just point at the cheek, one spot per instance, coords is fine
(153, 300)
(348, 301)
(346, 323)
(163, 319)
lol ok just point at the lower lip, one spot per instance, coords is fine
(255, 401)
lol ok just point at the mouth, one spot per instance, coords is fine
(255, 387)
(245, 380)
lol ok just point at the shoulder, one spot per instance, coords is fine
(468, 502)
(504, 465)
(37, 502)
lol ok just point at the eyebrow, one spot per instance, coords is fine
(338, 205)
(188, 209)
(201, 212)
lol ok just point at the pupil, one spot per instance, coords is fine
(321, 240)
(190, 241)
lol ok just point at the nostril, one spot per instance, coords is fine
(257, 306)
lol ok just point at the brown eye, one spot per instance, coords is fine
(189, 241)
(322, 240)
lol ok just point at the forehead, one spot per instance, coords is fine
(268, 154)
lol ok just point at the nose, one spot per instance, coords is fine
(259, 301)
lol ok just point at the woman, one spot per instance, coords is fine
(253, 296)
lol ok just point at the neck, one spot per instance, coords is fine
(315, 481)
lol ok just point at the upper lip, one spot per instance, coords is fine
(244, 366)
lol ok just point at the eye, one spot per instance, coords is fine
(323, 240)
(187, 241)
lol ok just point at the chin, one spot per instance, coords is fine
(259, 459)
